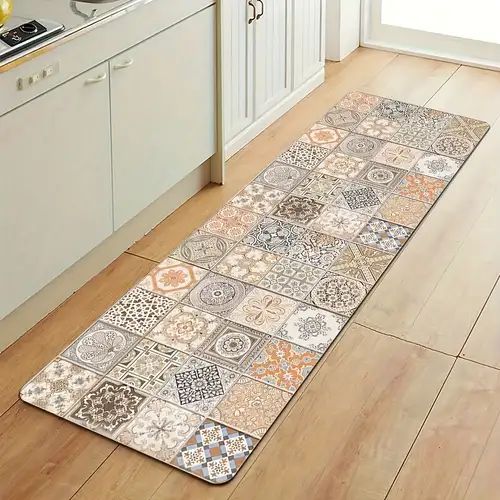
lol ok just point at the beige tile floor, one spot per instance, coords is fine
(405, 405)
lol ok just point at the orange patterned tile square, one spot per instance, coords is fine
(403, 211)
(420, 187)
(231, 222)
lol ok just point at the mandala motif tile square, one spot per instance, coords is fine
(231, 222)
(58, 386)
(281, 176)
(362, 263)
(283, 365)
(198, 386)
(397, 155)
(233, 346)
(378, 126)
(258, 198)
(324, 136)
(342, 166)
(360, 198)
(339, 294)
(159, 429)
(316, 249)
(274, 235)
(217, 294)
(319, 187)
(346, 119)
(107, 407)
(384, 235)
(247, 264)
(263, 310)
(430, 118)
(100, 347)
(421, 187)
(185, 328)
(438, 166)
(251, 406)
(291, 278)
(340, 222)
(203, 249)
(361, 146)
(381, 176)
(298, 210)
(172, 278)
(395, 110)
(403, 211)
(303, 155)
(215, 452)
(456, 146)
(148, 365)
(360, 102)
(138, 311)
(312, 328)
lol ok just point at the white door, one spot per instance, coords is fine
(238, 18)
(272, 53)
(308, 39)
(163, 112)
(55, 192)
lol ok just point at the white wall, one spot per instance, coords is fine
(342, 28)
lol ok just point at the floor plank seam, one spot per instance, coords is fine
(141, 256)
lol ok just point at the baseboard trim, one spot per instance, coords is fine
(252, 131)
(18, 322)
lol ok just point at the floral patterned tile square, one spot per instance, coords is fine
(384, 235)
(298, 210)
(251, 406)
(217, 294)
(421, 187)
(172, 278)
(198, 386)
(58, 386)
(440, 167)
(319, 187)
(283, 365)
(203, 249)
(312, 328)
(231, 222)
(361, 146)
(258, 198)
(246, 264)
(194, 364)
(100, 347)
(263, 311)
(324, 136)
(215, 452)
(362, 263)
(138, 311)
(233, 346)
(340, 222)
(281, 176)
(396, 155)
(159, 429)
(342, 166)
(403, 211)
(339, 294)
(147, 366)
(291, 278)
(185, 328)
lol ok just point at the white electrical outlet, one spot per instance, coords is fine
(30, 80)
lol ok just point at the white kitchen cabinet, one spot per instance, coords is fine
(273, 57)
(163, 112)
(55, 192)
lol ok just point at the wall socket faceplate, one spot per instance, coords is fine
(30, 80)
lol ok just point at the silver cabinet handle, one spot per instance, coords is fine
(97, 79)
(262, 10)
(124, 64)
(252, 19)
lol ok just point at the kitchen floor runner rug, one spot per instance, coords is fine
(194, 364)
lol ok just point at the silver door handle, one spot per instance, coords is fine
(124, 64)
(97, 79)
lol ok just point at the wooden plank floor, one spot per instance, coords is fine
(407, 402)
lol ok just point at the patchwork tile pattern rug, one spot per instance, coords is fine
(193, 365)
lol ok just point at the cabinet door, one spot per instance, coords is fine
(308, 39)
(237, 66)
(55, 192)
(272, 54)
(163, 112)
